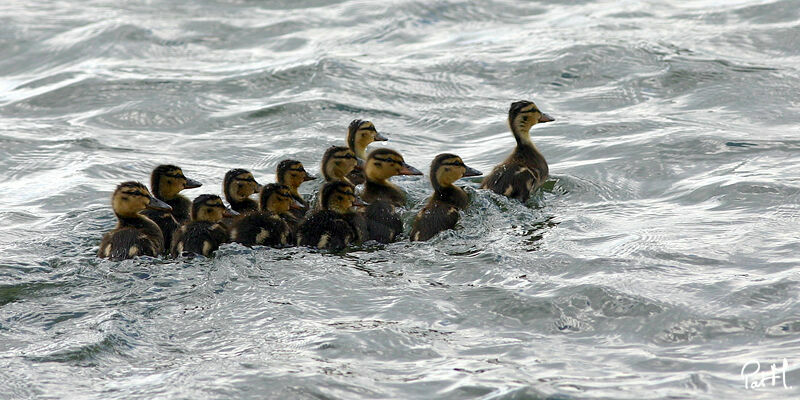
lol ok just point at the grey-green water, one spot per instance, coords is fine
(662, 257)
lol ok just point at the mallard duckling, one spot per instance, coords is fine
(337, 163)
(273, 225)
(167, 181)
(441, 212)
(359, 135)
(383, 223)
(292, 174)
(205, 233)
(335, 226)
(135, 234)
(238, 185)
(525, 169)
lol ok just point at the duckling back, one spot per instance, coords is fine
(199, 237)
(432, 219)
(382, 222)
(326, 229)
(262, 229)
(136, 240)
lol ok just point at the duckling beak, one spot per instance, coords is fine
(472, 172)
(309, 178)
(156, 204)
(380, 138)
(359, 165)
(357, 202)
(191, 184)
(229, 213)
(259, 187)
(546, 118)
(296, 205)
(409, 170)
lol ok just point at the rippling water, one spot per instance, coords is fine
(660, 258)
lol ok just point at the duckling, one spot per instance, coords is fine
(359, 135)
(333, 227)
(441, 212)
(205, 233)
(238, 185)
(135, 234)
(525, 169)
(167, 181)
(383, 223)
(273, 225)
(337, 163)
(292, 174)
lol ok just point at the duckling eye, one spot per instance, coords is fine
(524, 118)
(377, 164)
(339, 198)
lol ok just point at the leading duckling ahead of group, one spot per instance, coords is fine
(525, 169)
(359, 135)
(441, 212)
(205, 233)
(135, 234)
(167, 181)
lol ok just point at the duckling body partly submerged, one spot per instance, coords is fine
(167, 181)
(273, 225)
(442, 210)
(205, 233)
(135, 234)
(359, 135)
(335, 226)
(383, 222)
(525, 169)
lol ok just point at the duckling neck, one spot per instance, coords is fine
(245, 204)
(527, 153)
(451, 194)
(361, 151)
(382, 189)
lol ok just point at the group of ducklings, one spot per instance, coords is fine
(163, 222)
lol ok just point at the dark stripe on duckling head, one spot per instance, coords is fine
(230, 177)
(334, 152)
(205, 200)
(332, 188)
(286, 166)
(158, 172)
(269, 190)
(351, 133)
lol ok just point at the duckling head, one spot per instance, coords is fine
(337, 162)
(448, 168)
(209, 207)
(291, 173)
(383, 164)
(360, 134)
(277, 198)
(239, 184)
(168, 180)
(339, 196)
(130, 198)
(522, 116)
